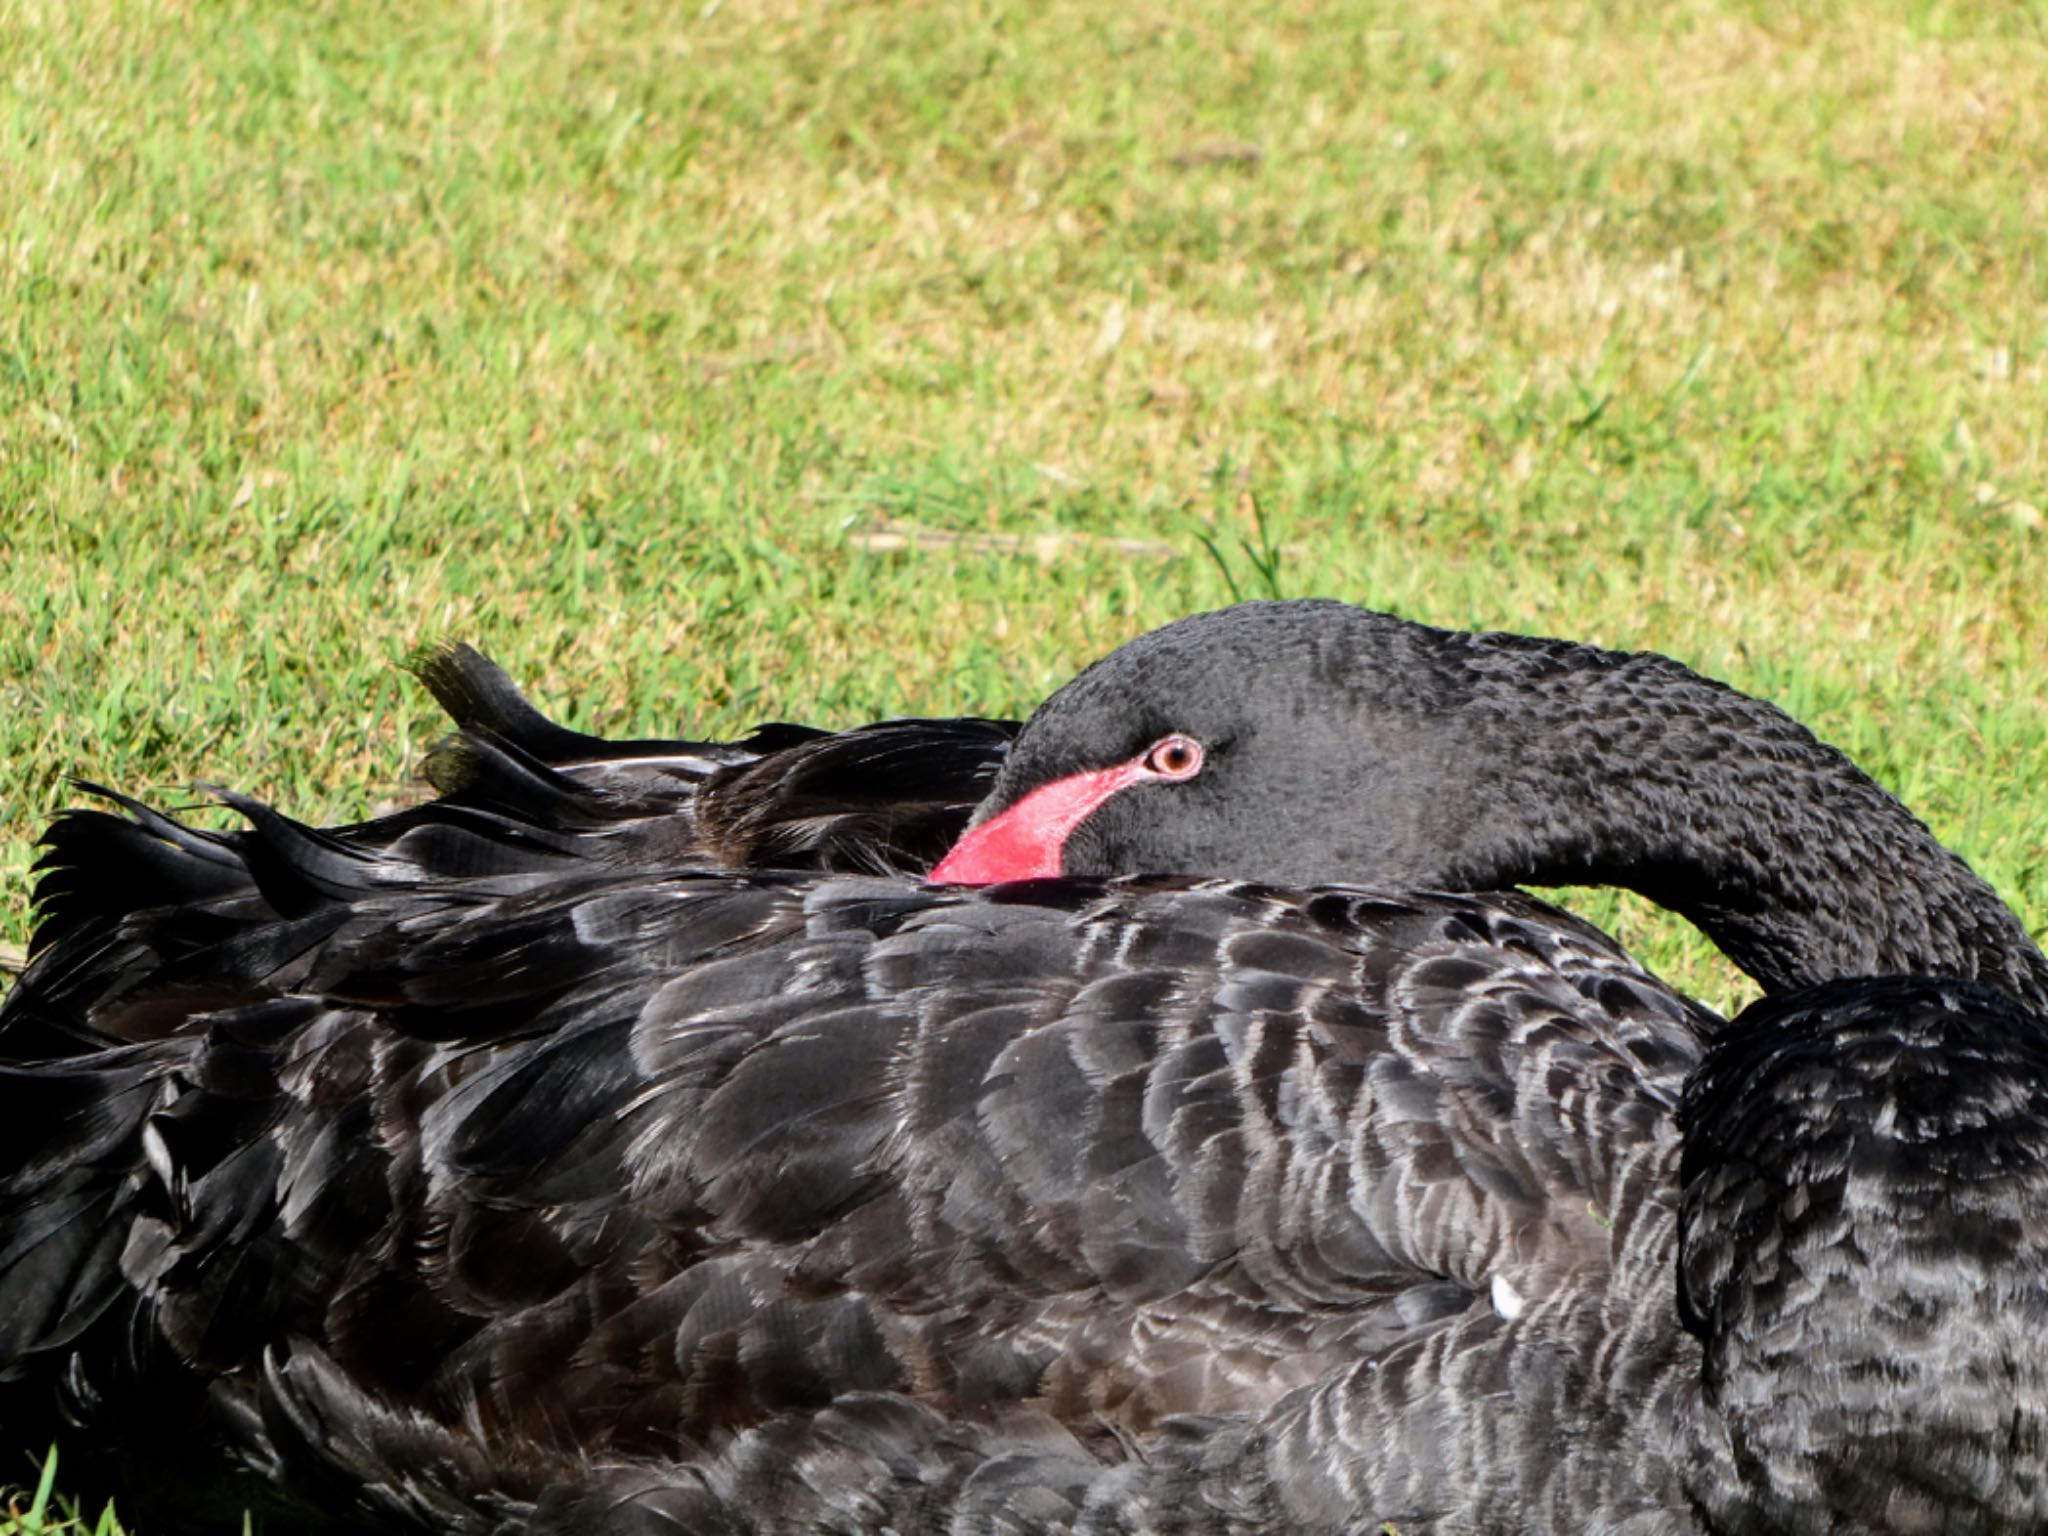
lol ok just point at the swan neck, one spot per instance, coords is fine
(1722, 808)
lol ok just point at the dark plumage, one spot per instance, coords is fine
(587, 1196)
(142, 897)
(517, 792)
(886, 798)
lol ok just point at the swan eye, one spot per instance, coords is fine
(1175, 757)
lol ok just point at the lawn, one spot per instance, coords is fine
(709, 363)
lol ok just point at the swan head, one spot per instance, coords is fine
(1299, 743)
(1863, 1256)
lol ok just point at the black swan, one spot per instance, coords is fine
(586, 1198)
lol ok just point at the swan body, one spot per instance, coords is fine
(559, 1186)
(1215, 1219)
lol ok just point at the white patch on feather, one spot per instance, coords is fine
(1507, 1301)
(157, 1154)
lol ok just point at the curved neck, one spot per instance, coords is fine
(1722, 808)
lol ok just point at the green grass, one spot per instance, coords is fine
(42, 1511)
(714, 362)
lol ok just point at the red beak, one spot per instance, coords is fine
(1027, 841)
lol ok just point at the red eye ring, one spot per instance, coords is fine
(1174, 757)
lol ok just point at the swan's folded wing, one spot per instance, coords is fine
(695, 1151)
